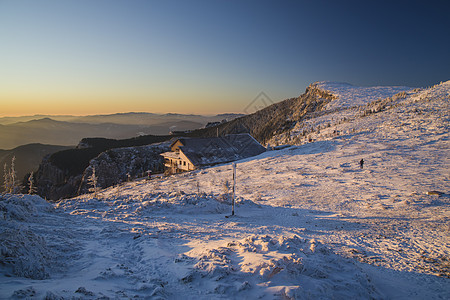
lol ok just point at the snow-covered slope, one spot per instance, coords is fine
(353, 104)
(348, 95)
(309, 224)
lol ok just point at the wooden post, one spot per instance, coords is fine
(234, 189)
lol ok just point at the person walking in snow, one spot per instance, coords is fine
(361, 163)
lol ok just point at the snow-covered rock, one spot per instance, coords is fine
(122, 164)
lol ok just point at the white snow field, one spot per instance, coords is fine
(349, 95)
(309, 223)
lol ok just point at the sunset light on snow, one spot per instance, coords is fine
(224, 149)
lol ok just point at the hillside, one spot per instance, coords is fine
(348, 95)
(319, 98)
(309, 224)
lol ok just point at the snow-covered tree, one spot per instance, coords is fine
(31, 188)
(13, 176)
(10, 177)
(92, 180)
(6, 182)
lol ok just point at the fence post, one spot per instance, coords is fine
(234, 188)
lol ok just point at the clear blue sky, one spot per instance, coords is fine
(105, 56)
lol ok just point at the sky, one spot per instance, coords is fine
(206, 57)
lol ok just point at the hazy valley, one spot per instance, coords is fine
(69, 130)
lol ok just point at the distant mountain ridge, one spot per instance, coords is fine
(69, 130)
(130, 117)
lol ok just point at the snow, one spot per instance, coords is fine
(309, 223)
(349, 95)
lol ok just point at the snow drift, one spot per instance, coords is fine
(23, 252)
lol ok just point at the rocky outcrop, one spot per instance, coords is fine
(55, 183)
(121, 164)
(65, 174)
(273, 119)
(314, 90)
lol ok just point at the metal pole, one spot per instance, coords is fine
(234, 188)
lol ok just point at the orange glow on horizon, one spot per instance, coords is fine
(71, 106)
